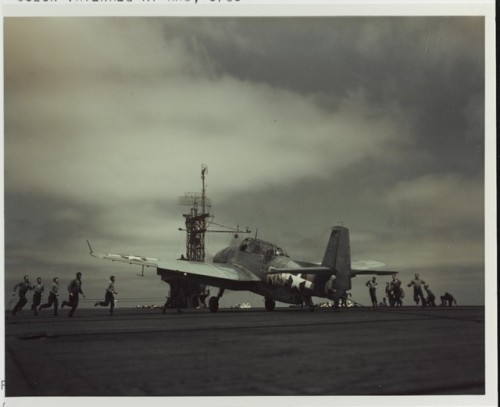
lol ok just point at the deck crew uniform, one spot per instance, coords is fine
(389, 294)
(332, 293)
(54, 293)
(74, 289)
(448, 298)
(397, 291)
(109, 298)
(24, 286)
(372, 287)
(38, 290)
(430, 297)
(417, 290)
(330, 286)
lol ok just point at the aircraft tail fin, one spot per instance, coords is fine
(338, 256)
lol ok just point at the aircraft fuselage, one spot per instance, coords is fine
(259, 257)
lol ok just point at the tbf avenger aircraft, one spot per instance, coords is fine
(265, 269)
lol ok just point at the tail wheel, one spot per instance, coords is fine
(270, 304)
(213, 304)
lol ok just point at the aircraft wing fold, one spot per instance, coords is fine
(126, 258)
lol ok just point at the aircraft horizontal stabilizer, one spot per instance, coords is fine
(372, 273)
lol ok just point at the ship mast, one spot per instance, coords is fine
(196, 222)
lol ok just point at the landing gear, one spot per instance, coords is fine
(269, 304)
(309, 303)
(213, 303)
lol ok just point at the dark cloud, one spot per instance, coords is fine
(417, 63)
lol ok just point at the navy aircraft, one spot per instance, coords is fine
(265, 269)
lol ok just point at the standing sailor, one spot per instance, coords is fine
(372, 287)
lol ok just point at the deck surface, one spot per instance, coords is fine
(288, 352)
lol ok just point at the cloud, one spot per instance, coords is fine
(375, 122)
(440, 202)
(106, 123)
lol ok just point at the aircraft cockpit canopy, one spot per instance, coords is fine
(256, 246)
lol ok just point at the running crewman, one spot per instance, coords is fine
(417, 289)
(74, 289)
(24, 286)
(109, 298)
(54, 293)
(38, 290)
(430, 296)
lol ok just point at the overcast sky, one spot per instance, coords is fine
(374, 122)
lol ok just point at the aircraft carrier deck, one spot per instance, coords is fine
(247, 352)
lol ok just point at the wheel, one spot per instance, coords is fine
(270, 304)
(213, 304)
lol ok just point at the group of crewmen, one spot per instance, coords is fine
(74, 291)
(394, 293)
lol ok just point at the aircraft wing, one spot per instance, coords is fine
(209, 270)
(127, 258)
(212, 271)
